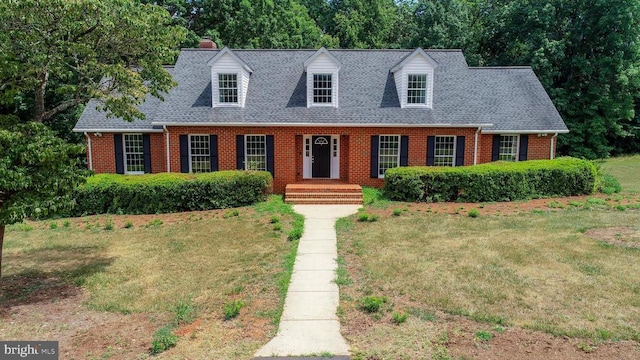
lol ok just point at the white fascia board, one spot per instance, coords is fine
(119, 130)
(417, 51)
(324, 125)
(235, 57)
(321, 51)
(524, 131)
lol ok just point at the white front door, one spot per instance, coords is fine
(321, 156)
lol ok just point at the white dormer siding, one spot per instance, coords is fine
(418, 63)
(321, 64)
(226, 63)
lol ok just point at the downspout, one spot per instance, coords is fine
(475, 146)
(168, 150)
(89, 153)
(553, 148)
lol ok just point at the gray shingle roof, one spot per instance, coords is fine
(512, 99)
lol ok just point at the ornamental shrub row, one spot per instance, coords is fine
(168, 192)
(499, 181)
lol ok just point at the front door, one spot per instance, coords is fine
(321, 152)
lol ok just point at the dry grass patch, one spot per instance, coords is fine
(533, 271)
(172, 272)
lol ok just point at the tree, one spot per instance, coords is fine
(364, 24)
(112, 50)
(585, 53)
(37, 171)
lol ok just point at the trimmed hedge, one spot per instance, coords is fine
(169, 192)
(499, 181)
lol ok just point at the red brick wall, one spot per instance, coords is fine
(538, 148)
(104, 154)
(355, 152)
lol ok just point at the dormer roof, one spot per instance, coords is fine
(227, 51)
(408, 58)
(322, 51)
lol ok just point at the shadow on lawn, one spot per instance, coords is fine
(34, 286)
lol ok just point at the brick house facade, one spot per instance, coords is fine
(339, 115)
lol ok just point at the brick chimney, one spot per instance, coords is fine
(207, 43)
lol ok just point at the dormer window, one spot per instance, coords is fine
(230, 77)
(417, 89)
(228, 88)
(322, 70)
(322, 87)
(414, 80)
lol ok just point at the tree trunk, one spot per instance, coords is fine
(38, 111)
(1, 244)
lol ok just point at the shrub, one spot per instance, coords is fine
(499, 181)
(399, 317)
(128, 225)
(53, 225)
(170, 192)
(484, 335)
(66, 223)
(474, 213)
(232, 309)
(363, 217)
(108, 225)
(607, 183)
(184, 312)
(163, 339)
(372, 304)
(397, 212)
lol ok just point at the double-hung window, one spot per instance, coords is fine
(322, 89)
(199, 153)
(444, 151)
(417, 89)
(388, 153)
(133, 154)
(255, 152)
(228, 88)
(508, 148)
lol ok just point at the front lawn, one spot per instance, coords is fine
(104, 285)
(519, 277)
(626, 169)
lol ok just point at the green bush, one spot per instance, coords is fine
(372, 304)
(170, 192)
(232, 309)
(163, 339)
(499, 181)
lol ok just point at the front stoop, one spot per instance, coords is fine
(312, 194)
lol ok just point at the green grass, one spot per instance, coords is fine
(172, 272)
(534, 271)
(626, 169)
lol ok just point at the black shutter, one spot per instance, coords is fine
(270, 150)
(374, 156)
(404, 150)
(495, 152)
(213, 152)
(117, 144)
(184, 153)
(524, 144)
(431, 152)
(240, 152)
(460, 151)
(146, 151)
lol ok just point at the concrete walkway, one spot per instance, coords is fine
(309, 324)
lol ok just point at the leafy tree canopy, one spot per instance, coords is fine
(61, 53)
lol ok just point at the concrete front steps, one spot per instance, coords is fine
(329, 194)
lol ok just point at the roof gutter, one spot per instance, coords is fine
(322, 125)
(475, 146)
(168, 149)
(525, 132)
(552, 149)
(119, 130)
(89, 155)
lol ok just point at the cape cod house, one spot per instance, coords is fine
(339, 116)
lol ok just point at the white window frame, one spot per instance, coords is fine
(511, 156)
(435, 150)
(382, 170)
(192, 155)
(425, 89)
(220, 89)
(126, 154)
(247, 161)
(329, 89)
